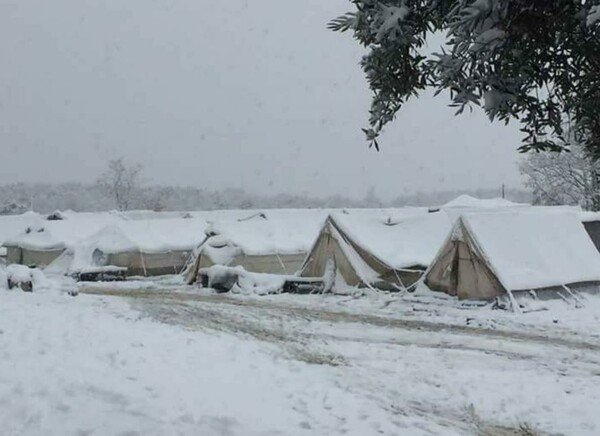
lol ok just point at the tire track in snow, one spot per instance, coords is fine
(341, 316)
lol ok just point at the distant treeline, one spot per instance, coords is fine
(46, 198)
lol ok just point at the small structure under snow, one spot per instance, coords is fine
(260, 243)
(373, 251)
(492, 254)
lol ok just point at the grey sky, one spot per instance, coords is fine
(252, 94)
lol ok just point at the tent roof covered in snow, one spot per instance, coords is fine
(265, 242)
(37, 238)
(150, 236)
(143, 247)
(13, 225)
(468, 202)
(399, 242)
(488, 254)
(265, 233)
(45, 235)
(371, 250)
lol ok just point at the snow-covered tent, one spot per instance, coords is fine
(262, 243)
(44, 241)
(374, 251)
(37, 246)
(141, 247)
(467, 202)
(493, 254)
(13, 225)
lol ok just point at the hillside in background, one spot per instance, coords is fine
(46, 198)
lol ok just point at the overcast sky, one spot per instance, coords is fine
(239, 93)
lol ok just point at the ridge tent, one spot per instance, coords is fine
(488, 255)
(142, 247)
(34, 247)
(271, 242)
(42, 243)
(12, 226)
(373, 251)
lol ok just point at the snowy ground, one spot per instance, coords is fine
(162, 360)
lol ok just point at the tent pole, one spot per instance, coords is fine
(513, 302)
(143, 264)
(402, 287)
(281, 263)
(566, 288)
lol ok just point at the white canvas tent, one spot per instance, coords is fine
(10, 227)
(36, 246)
(270, 242)
(488, 255)
(141, 247)
(40, 244)
(376, 251)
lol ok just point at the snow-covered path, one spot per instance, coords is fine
(159, 363)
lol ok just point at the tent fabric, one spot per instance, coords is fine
(488, 255)
(26, 256)
(332, 246)
(593, 230)
(149, 264)
(272, 263)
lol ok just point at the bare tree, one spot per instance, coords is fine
(569, 177)
(121, 182)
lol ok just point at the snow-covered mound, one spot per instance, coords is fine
(33, 279)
